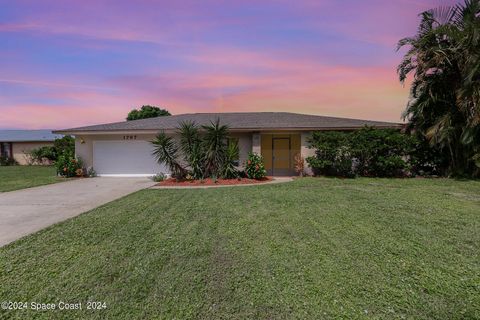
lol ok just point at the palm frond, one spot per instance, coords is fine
(166, 152)
(215, 144)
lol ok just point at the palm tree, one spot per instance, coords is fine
(444, 106)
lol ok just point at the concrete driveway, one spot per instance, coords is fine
(26, 211)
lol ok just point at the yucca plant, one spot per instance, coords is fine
(201, 152)
(229, 170)
(191, 147)
(166, 151)
(215, 146)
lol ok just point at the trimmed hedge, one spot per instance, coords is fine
(373, 153)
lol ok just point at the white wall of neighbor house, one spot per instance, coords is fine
(305, 151)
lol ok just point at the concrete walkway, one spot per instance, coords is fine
(274, 181)
(26, 211)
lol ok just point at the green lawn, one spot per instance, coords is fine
(313, 248)
(21, 177)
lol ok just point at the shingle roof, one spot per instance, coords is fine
(27, 135)
(239, 121)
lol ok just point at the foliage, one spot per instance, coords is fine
(381, 152)
(215, 146)
(444, 58)
(192, 149)
(60, 146)
(69, 166)
(91, 173)
(332, 154)
(299, 164)
(201, 152)
(229, 169)
(7, 161)
(65, 144)
(42, 154)
(372, 152)
(147, 111)
(167, 152)
(254, 167)
(426, 159)
(159, 177)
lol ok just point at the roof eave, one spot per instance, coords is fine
(170, 130)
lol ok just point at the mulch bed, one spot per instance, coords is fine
(211, 182)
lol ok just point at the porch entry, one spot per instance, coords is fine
(278, 152)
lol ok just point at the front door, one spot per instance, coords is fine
(281, 156)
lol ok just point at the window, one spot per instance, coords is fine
(5, 149)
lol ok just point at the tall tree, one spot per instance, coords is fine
(147, 111)
(444, 105)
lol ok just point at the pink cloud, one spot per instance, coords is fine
(207, 73)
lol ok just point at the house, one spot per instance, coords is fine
(124, 149)
(17, 144)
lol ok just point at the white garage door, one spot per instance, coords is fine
(125, 158)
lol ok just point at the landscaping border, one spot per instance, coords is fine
(273, 181)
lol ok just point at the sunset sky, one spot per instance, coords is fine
(72, 63)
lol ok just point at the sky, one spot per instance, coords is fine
(73, 63)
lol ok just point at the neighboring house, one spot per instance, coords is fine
(124, 149)
(17, 144)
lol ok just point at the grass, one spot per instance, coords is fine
(313, 248)
(21, 177)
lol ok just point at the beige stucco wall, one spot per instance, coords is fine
(305, 151)
(244, 146)
(20, 150)
(247, 142)
(84, 145)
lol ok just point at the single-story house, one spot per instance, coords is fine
(124, 148)
(17, 144)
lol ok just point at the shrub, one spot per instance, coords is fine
(69, 166)
(50, 154)
(254, 168)
(63, 145)
(372, 152)
(42, 154)
(333, 154)
(299, 164)
(427, 160)
(381, 152)
(229, 170)
(91, 172)
(7, 161)
(159, 177)
(201, 152)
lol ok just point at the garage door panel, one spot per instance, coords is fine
(125, 158)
